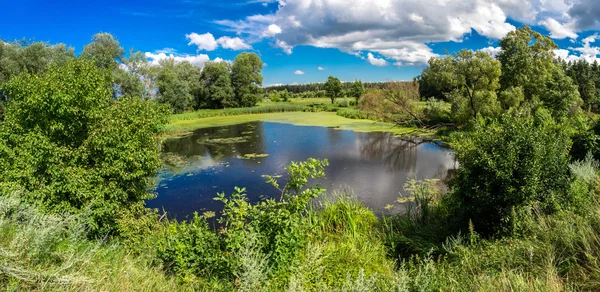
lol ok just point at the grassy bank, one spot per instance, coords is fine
(347, 250)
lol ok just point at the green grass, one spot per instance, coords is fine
(51, 253)
(346, 252)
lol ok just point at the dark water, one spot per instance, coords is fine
(372, 166)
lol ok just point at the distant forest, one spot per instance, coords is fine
(301, 88)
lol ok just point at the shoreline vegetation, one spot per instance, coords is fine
(80, 144)
(301, 112)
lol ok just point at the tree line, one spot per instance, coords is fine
(179, 84)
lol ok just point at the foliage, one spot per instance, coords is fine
(278, 225)
(176, 83)
(30, 57)
(510, 164)
(527, 60)
(357, 90)
(246, 78)
(333, 87)
(216, 90)
(473, 78)
(104, 50)
(403, 98)
(74, 148)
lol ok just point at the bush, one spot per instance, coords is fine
(509, 164)
(278, 229)
(72, 148)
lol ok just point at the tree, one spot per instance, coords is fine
(474, 77)
(104, 50)
(358, 89)
(70, 147)
(128, 80)
(510, 164)
(177, 84)
(333, 87)
(31, 57)
(216, 89)
(246, 78)
(527, 60)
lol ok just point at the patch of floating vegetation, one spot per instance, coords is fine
(324, 119)
(175, 160)
(232, 140)
(253, 156)
(248, 133)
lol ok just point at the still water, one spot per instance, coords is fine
(371, 166)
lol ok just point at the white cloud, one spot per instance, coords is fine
(492, 51)
(272, 30)
(376, 61)
(205, 41)
(265, 65)
(298, 72)
(586, 52)
(396, 29)
(219, 59)
(403, 31)
(558, 30)
(198, 60)
(320, 68)
(235, 44)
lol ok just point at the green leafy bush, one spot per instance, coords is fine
(278, 228)
(510, 163)
(72, 148)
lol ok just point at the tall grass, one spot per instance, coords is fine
(51, 253)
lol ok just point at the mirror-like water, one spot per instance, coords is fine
(372, 166)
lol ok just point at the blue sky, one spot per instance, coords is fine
(372, 40)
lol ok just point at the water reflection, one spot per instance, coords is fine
(373, 166)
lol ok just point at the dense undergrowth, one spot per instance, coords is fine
(298, 244)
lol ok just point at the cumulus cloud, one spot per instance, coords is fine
(198, 60)
(207, 42)
(558, 30)
(402, 31)
(492, 51)
(219, 59)
(298, 72)
(395, 29)
(204, 42)
(376, 61)
(320, 68)
(235, 44)
(272, 30)
(586, 52)
(586, 14)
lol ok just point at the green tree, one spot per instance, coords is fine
(105, 50)
(216, 87)
(527, 60)
(358, 89)
(333, 87)
(510, 164)
(128, 77)
(474, 77)
(246, 78)
(177, 84)
(31, 57)
(70, 147)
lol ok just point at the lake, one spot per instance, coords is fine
(371, 166)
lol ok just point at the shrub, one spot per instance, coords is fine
(510, 163)
(73, 148)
